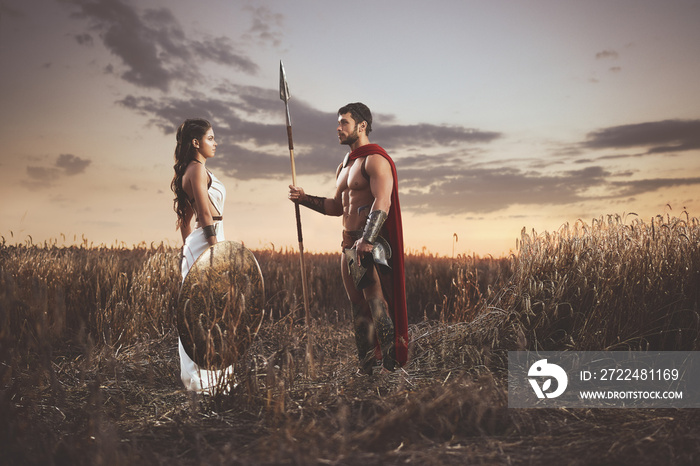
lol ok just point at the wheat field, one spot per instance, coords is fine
(89, 372)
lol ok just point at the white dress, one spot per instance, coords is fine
(193, 377)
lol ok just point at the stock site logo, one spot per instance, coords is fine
(542, 369)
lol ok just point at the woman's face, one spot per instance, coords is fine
(207, 145)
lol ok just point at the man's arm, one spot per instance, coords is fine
(327, 206)
(323, 205)
(381, 182)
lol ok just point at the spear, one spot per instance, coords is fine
(284, 95)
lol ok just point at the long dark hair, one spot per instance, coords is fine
(185, 153)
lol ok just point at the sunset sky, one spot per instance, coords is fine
(499, 114)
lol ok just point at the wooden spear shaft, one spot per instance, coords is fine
(299, 233)
(284, 95)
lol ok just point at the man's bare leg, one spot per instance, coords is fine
(370, 317)
(362, 322)
(363, 337)
(384, 327)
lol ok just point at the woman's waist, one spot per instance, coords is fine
(197, 233)
(215, 219)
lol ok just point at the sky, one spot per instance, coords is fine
(500, 114)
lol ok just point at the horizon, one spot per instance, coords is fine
(84, 242)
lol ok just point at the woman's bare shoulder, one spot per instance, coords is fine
(194, 171)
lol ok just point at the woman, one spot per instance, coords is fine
(199, 195)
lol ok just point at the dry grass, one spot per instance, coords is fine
(89, 371)
(611, 285)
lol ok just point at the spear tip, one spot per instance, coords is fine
(284, 88)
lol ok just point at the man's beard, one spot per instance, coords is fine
(351, 139)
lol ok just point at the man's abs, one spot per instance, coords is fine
(356, 195)
(355, 216)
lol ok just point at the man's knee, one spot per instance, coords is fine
(378, 307)
(359, 309)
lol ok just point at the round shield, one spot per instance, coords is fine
(220, 306)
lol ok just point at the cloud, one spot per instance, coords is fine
(71, 164)
(445, 186)
(246, 164)
(441, 168)
(607, 54)
(222, 50)
(657, 136)
(453, 189)
(636, 187)
(84, 39)
(428, 135)
(250, 127)
(152, 45)
(42, 173)
(267, 26)
(65, 165)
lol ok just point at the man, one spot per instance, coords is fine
(367, 199)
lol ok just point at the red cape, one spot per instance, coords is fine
(394, 235)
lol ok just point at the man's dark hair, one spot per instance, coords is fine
(359, 112)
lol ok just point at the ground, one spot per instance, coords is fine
(105, 405)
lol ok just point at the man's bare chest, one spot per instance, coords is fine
(353, 177)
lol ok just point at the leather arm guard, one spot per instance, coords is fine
(314, 203)
(209, 231)
(375, 221)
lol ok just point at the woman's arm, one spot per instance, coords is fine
(198, 183)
